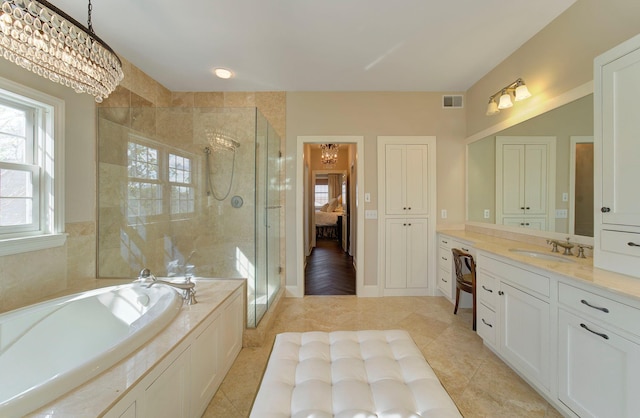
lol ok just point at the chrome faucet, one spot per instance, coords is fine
(564, 244)
(188, 287)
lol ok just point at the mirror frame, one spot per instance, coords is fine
(544, 107)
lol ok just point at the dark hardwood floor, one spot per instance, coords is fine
(329, 270)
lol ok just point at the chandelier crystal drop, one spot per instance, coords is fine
(43, 39)
(329, 153)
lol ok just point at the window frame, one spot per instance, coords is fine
(164, 181)
(49, 155)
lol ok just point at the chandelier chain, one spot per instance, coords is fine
(89, 25)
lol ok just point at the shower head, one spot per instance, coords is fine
(219, 139)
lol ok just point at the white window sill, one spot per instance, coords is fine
(25, 244)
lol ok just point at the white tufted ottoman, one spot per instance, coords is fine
(350, 374)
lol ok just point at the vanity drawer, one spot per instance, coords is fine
(444, 241)
(486, 324)
(521, 277)
(626, 243)
(444, 258)
(486, 289)
(444, 282)
(607, 310)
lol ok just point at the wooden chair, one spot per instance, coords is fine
(465, 278)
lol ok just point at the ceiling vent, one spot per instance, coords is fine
(454, 101)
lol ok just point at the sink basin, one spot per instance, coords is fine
(543, 256)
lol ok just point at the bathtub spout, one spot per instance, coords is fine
(188, 287)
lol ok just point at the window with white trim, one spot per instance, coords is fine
(145, 186)
(31, 180)
(160, 182)
(182, 190)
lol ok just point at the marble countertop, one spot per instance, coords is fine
(95, 397)
(580, 269)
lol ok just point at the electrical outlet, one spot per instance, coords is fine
(443, 214)
(565, 197)
(487, 214)
(371, 214)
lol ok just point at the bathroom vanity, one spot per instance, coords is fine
(570, 330)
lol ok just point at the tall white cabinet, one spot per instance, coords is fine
(406, 225)
(525, 181)
(617, 145)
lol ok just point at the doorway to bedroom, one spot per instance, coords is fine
(329, 267)
(329, 200)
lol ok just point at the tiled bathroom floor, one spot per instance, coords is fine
(478, 381)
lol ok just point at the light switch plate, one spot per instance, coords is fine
(371, 214)
(443, 214)
(562, 213)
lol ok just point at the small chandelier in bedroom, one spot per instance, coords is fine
(41, 38)
(329, 153)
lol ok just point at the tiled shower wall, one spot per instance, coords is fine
(29, 277)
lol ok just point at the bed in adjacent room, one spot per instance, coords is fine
(327, 219)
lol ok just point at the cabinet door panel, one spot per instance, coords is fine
(513, 179)
(418, 251)
(417, 175)
(621, 140)
(167, 395)
(535, 179)
(598, 375)
(396, 254)
(395, 173)
(524, 336)
(206, 370)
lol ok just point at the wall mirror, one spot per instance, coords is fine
(508, 177)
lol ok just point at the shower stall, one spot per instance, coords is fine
(191, 191)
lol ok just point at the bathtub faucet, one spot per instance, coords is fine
(188, 287)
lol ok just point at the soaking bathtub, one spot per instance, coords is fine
(49, 348)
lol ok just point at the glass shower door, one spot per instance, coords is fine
(274, 209)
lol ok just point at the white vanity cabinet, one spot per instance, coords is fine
(599, 354)
(514, 316)
(446, 269)
(616, 133)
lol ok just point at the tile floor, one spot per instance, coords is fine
(478, 381)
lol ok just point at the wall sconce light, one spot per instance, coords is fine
(519, 91)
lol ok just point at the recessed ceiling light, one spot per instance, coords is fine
(223, 73)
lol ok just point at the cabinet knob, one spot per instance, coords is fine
(605, 209)
(522, 207)
(500, 292)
